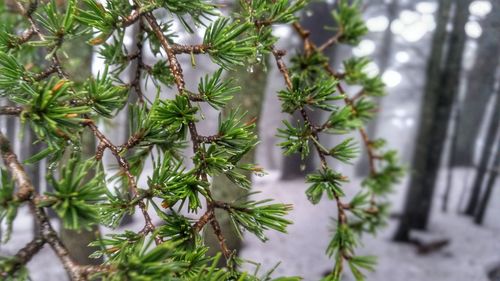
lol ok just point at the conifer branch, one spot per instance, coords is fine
(104, 141)
(26, 192)
(59, 110)
(149, 227)
(304, 34)
(203, 220)
(176, 70)
(364, 136)
(341, 216)
(24, 255)
(351, 26)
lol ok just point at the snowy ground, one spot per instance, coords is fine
(472, 252)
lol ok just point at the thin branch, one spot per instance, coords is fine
(209, 139)
(176, 70)
(46, 73)
(364, 136)
(124, 165)
(309, 48)
(331, 41)
(25, 188)
(138, 55)
(24, 255)
(190, 49)
(47, 232)
(11, 110)
(26, 36)
(203, 220)
(104, 141)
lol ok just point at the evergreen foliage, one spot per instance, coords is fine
(59, 109)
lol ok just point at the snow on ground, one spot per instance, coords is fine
(472, 252)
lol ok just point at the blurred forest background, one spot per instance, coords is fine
(440, 62)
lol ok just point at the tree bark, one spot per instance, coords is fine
(441, 86)
(487, 152)
(485, 199)
(481, 82)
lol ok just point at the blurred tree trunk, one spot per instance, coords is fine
(481, 82)
(11, 124)
(384, 61)
(442, 81)
(29, 148)
(249, 99)
(485, 199)
(317, 16)
(455, 120)
(488, 151)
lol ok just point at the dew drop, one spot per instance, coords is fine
(52, 166)
(309, 13)
(259, 58)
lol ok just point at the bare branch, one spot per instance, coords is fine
(10, 110)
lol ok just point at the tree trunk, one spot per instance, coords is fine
(481, 82)
(12, 127)
(28, 148)
(488, 150)
(433, 119)
(249, 99)
(436, 137)
(384, 61)
(455, 120)
(485, 199)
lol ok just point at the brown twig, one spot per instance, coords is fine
(26, 36)
(176, 70)
(24, 255)
(46, 73)
(138, 56)
(48, 235)
(304, 34)
(124, 165)
(331, 41)
(11, 110)
(203, 220)
(309, 48)
(189, 49)
(364, 136)
(104, 141)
